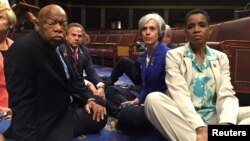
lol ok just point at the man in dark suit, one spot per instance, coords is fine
(41, 84)
(81, 58)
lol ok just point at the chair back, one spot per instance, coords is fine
(238, 52)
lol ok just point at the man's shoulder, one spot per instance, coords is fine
(176, 53)
(29, 37)
(83, 48)
(64, 45)
(28, 40)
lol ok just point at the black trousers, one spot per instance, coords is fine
(132, 119)
(132, 68)
(83, 122)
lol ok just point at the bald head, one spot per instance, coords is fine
(52, 24)
(53, 8)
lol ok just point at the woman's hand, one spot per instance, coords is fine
(7, 112)
(202, 133)
(136, 101)
(128, 103)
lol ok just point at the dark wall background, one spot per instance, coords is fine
(94, 18)
(138, 13)
(118, 10)
(117, 14)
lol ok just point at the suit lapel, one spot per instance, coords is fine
(187, 65)
(143, 67)
(152, 62)
(188, 74)
(216, 70)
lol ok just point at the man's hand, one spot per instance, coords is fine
(98, 92)
(101, 93)
(98, 111)
(202, 133)
(92, 87)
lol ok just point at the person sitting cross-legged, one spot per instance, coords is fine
(80, 56)
(42, 85)
(200, 92)
(132, 67)
(127, 106)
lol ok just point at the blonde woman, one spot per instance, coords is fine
(7, 22)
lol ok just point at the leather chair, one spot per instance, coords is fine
(238, 52)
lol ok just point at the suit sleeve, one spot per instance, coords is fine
(77, 84)
(92, 76)
(20, 81)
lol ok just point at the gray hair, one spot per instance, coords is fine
(168, 31)
(158, 19)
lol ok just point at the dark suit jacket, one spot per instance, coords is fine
(85, 66)
(39, 92)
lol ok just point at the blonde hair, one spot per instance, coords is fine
(5, 3)
(10, 15)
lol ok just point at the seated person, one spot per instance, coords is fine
(131, 119)
(81, 58)
(41, 84)
(132, 68)
(199, 88)
(8, 21)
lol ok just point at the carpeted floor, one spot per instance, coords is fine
(109, 133)
(106, 71)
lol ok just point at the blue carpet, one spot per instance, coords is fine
(109, 133)
(106, 71)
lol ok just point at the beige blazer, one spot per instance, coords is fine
(178, 78)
